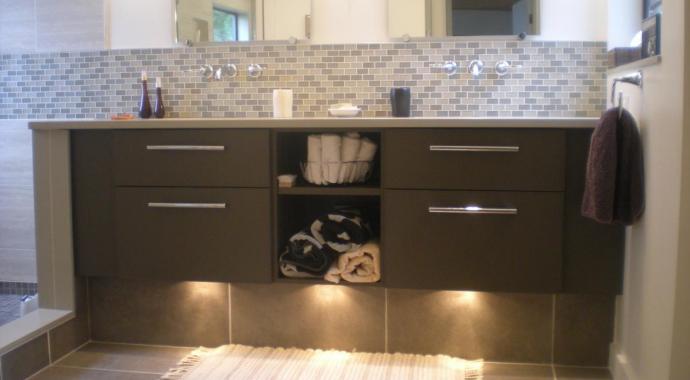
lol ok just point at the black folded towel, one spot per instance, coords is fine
(342, 231)
(308, 255)
(614, 187)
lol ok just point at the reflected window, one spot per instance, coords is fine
(225, 25)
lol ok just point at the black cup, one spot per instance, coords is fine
(400, 101)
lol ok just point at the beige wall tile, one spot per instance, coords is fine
(584, 329)
(17, 230)
(17, 265)
(69, 336)
(25, 360)
(312, 316)
(575, 373)
(150, 312)
(495, 327)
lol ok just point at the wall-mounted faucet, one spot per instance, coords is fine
(217, 73)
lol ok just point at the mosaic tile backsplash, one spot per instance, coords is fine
(557, 79)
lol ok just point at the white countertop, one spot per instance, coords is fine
(320, 123)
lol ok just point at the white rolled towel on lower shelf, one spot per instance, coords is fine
(362, 265)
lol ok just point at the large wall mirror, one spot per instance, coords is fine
(343, 21)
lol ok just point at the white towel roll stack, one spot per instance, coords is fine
(336, 159)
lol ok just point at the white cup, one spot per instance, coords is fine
(282, 103)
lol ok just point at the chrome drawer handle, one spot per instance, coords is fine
(474, 148)
(213, 148)
(187, 205)
(473, 210)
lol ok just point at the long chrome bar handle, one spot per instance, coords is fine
(473, 210)
(187, 205)
(474, 148)
(212, 148)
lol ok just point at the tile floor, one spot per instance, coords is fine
(106, 361)
(9, 307)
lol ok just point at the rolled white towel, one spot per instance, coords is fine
(330, 157)
(313, 167)
(365, 156)
(351, 144)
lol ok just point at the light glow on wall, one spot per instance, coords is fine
(328, 294)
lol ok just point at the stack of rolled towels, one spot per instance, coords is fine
(338, 159)
(337, 246)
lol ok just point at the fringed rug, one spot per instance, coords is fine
(249, 363)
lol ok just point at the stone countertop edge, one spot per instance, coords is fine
(315, 123)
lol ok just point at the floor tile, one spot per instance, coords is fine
(495, 371)
(64, 373)
(125, 358)
(575, 373)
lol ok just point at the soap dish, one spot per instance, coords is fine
(344, 110)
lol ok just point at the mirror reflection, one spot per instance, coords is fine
(350, 21)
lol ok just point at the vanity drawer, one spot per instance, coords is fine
(193, 234)
(212, 158)
(473, 159)
(512, 245)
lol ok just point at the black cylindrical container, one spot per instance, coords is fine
(400, 101)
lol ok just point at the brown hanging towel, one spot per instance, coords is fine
(614, 185)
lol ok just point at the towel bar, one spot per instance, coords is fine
(635, 79)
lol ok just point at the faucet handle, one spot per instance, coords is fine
(450, 67)
(504, 67)
(255, 71)
(476, 68)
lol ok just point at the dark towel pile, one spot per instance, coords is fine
(614, 186)
(311, 253)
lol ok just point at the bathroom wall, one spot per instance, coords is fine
(492, 326)
(17, 242)
(651, 339)
(558, 79)
(50, 25)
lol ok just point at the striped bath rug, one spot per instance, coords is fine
(236, 362)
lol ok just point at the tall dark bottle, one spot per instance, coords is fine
(144, 103)
(159, 109)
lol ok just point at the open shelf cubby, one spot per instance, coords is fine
(297, 212)
(297, 207)
(291, 151)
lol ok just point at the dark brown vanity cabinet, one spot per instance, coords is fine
(193, 234)
(455, 209)
(493, 210)
(435, 241)
(173, 204)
